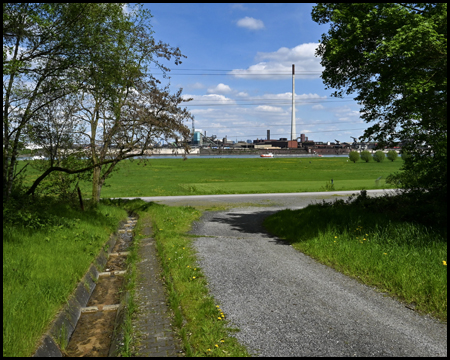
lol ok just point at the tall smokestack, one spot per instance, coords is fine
(293, 131)
(268, 134)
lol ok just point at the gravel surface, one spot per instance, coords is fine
(287, 304)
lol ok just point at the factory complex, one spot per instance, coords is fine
(301, 145)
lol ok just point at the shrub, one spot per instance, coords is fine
(366, 156)
(405, 154)
(392, 155)
(353, 156)
(379, 156)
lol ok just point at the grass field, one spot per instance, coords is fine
(163, 177)
(45, 254)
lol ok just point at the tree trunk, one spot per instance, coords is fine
(96, 185)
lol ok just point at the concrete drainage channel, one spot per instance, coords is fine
(87, 325)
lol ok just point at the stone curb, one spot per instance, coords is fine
(118, 333)
(65, 321)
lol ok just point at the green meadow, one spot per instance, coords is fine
(164, 177)
(47, 248)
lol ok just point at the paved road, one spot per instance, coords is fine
(287, 304)
(276, 200)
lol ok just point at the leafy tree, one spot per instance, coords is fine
(379, 156)
(102, 56)
(405, 154)
(353, 156)
(394, 56)
(44, 46)
(366, 156)
(392, 155)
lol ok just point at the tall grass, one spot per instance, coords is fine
(44, 258)
(198, 320)
(404, 258)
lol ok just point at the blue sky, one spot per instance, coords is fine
(238, 70)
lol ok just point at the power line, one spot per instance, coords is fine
(287, 72)
(275, 125)
(244, 74)
(255, 104)
(267, 99)
(310, 132)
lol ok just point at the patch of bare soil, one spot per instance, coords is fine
(92, 337)
(107, 291)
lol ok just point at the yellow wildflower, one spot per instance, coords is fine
(216, 345)
(193, 277)
(385, 253)
(444, 262)
(222, 341)
(335, 237)
(219, 318)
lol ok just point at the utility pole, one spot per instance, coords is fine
(293, 131)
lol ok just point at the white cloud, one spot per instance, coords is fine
(318, 107)
(279, 63)
(220, 89)
(250, 23)
(269, 108)
(298, 97)
(238, 6)
(209, 99)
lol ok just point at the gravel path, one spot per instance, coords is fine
(287, 304)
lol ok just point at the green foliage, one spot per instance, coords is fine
(379, 156)
(71, 64)
(329, 186)
(394, 56)
(366, 156)
(392, 155)
(354, 156)
(405, 154)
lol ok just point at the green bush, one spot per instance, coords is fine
(392, 155)
(366, 156)
(405, 154)
(353, 156)
(379, 156)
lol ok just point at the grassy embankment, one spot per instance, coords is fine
(47, 248)
(163, 177)
(389, 255)
(197, 318)
(375, 242)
